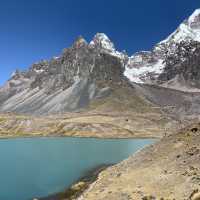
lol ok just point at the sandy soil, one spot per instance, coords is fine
(87, 124)
(169, 169)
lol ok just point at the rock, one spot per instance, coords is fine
(195, 195)
(66, 83)
(172, 63)
(149, 198)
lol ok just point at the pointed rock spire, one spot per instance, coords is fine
(101, 40)
(79, 42)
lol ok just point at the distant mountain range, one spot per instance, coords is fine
(88, 72)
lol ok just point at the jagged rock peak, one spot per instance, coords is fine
(16, 73)
(102, 43)
(101, 40)
(79, 42)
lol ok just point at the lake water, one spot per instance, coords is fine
(38, 167)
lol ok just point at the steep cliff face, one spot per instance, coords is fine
(89, 71)
(83, 72)
(182, 67)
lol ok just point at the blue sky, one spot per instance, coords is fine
(31, 30)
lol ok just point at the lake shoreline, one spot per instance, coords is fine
(176, 167)
(79, 186)
(50, 165)
(86, 125)
(84, 185)
(2, 137)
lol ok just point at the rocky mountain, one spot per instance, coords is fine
(173, 62)
(83, 72)
(91, 72)
(93, 90)
(87, 79)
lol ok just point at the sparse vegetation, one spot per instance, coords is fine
(157, 172)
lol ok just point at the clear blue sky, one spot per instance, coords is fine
(31, 30)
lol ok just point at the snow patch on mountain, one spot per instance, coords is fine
(145, 67)
(39, 71)
(102, 42)
(184, 32)
(13, 74)
(138, 75)
(194, 16)
(189, 29)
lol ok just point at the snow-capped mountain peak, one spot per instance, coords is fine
(188, 30)
(195, 17)
(177, 48)
(102, 40)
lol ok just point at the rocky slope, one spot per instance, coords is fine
(86, 72)
(88, 79)
(135, 111)
(122, 114)
(82, 73)
(157, 172)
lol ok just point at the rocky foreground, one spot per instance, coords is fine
(169, 169)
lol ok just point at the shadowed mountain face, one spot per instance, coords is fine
(83, 72)
(183, 66)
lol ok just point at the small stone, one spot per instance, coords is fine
(149, 198)
(178, 156)
(196, 196)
